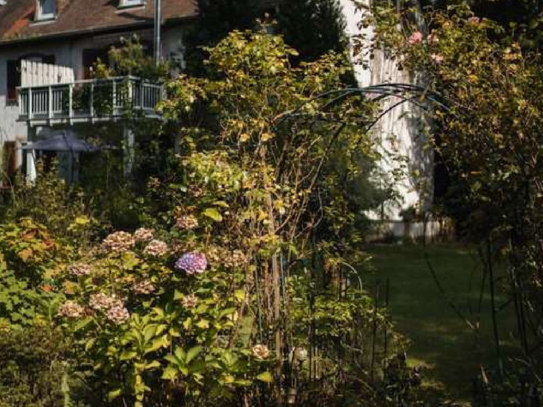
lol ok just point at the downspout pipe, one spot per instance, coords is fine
(157, 26)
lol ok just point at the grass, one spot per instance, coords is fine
(449, 350)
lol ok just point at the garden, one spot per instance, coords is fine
(232, 267)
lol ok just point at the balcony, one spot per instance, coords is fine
(88, 101)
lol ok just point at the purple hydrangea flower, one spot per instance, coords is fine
(192, 263)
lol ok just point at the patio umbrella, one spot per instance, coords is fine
(62, 142)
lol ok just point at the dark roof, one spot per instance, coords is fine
(81, 16)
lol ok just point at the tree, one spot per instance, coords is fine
(322, 30)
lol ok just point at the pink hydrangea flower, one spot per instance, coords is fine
(118, 242)
(143, 235)
(156, 248)
(192, 263)
(415, 38)
(71, 309)
(117, 314)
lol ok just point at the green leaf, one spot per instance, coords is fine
(113, 394)
(128, 355)
(203, 324)
(265, 377)
(156, 345)
(213, 214)
(180, 354)
(192, 353)
(153, 365)
(170, 373)
(149, 332)
(90, 343)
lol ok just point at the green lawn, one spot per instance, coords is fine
(450, 351)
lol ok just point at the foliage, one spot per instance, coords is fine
(131, 59)
(490, 137)
(181, 335)
(323, 30)
(62, 209)
(216, 18)
(33, 372)
(248, 260)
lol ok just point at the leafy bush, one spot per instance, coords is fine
(33, 369)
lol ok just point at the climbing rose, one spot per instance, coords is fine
(261, 351)
(156, 248)
(79, 269)
(432, 38)
(143, 235)
(71, 309)
(415, 38)
(192, 263)
(437, 58)
(118, 242)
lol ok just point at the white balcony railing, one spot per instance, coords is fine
(88, 100)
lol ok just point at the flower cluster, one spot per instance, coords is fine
(118, 242)
(117, 314)
(261, 352)
(71, 309)
(186, 222)
(415, 38)
(192, 263)
(143, 235)
(113, 307)
(156, 248)
(189, 301)
(144, 287)
(79, 269)
(219, 256)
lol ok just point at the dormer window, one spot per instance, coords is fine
(46, 10)
(130, 3)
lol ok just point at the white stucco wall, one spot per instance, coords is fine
(401, 132)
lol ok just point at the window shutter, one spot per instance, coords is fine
(13, 79)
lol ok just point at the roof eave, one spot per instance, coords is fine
(93, 30)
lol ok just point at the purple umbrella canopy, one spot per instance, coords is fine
(62, 142)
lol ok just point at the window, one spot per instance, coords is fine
(13, 70)
(130, 3)
(46, 10)
(91, 57)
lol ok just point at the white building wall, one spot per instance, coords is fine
(400, 134)
(68, 52)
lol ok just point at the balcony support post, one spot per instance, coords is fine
(129, 153)
(70, 103)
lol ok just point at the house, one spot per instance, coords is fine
(401, 135)
(48, 49)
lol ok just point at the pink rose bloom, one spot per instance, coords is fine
(474, 20)
(432, 38)
(415, 38)
(437, 58)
